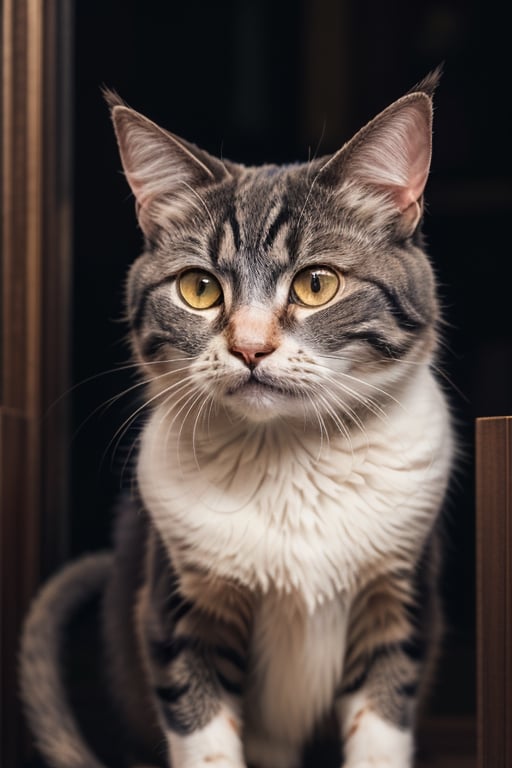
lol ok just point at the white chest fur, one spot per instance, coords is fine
(297, 660)
(271, 506)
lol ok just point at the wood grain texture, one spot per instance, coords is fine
(35, 259)
(494, 590)
(20, 477)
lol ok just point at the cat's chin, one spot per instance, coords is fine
(262, 402)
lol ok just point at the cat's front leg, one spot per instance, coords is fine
(370, 739)
(195, 667)
(393, 634)
(200, 719)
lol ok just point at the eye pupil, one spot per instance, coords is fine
(314, 286)
(199, 289)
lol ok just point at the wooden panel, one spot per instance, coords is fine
(35, 262)
(20, 477)
(494, 590)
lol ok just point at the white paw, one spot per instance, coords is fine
(217, 745)
(372, 742)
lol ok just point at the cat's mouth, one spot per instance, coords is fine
(258, 398)
(257, 385)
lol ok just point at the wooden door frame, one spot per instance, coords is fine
(35, 170)
(494, 590)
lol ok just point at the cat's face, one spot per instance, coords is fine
(298, 291)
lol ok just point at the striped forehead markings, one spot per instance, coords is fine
(227, 229)
(239, 233)
(280, 221)
(235, 227)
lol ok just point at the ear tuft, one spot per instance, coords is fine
(430, 82)
(112, 98)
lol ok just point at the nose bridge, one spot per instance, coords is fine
(252, 325)
(253, 332)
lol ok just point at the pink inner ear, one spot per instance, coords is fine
(411, 193)
(395, 154)
(418, 166)
(155, 162)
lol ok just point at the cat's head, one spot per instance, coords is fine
(276, 291)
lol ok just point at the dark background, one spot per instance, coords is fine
(276, 81)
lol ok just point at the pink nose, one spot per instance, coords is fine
(251, 354)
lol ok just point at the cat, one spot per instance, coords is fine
(278, 563)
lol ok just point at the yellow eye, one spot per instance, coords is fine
(315, 286)
(199, 289)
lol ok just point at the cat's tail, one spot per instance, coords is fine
(42, 689)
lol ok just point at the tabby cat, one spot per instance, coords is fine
(278, 563)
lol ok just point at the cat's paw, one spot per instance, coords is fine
(371, 741)
(217, 745)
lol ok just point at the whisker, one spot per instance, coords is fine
(194, 429)
(106, 404)
(367, 401)
(364, 400)
(174, 398)
(321, 424)
(342, 428)
(365, 383)
(88, 380)
(400, 361)
(210, 410)
(110, 372)
(347, 408)
(198, 394)
(121, 431)
(187, 397)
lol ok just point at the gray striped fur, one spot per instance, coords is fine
(185, 637)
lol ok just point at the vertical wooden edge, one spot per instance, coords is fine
(507, 589)
(22, 194)
(508, 596)
(35, 289)
(34, 198)
(494, 591)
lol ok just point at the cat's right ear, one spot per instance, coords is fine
(162, 170)
(390, 156)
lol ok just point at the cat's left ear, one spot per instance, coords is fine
(166, 174)
(391, 154)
